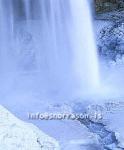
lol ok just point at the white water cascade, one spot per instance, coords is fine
(85, 51)
(51, 38)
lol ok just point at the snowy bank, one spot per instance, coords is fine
(18, 135)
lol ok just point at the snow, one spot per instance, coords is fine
(115, 122)
(16, 134)
(99, 25)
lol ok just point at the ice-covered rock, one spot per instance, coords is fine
(110, 36)
(110, 41)
(18, 135)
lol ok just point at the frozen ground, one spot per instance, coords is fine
(16, 134)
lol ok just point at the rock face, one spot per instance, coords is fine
(111, 43)
(108, 5)
(18, 135)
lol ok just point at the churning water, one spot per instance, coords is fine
(51, 38)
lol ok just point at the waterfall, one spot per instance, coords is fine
(52, 37)
(84, 46)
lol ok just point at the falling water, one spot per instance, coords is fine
(27, 9)
(85, 51)
(5, 35)
(52, 37)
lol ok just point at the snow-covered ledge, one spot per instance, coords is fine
(18, 135)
